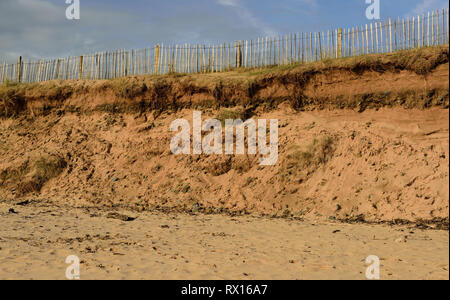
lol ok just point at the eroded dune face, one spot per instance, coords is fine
(355, 142)
(383, 165)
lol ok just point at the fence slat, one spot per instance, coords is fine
(438, 35)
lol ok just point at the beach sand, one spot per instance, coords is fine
(35, 240)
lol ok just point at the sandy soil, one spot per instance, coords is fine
(35, 241)
(381, 165)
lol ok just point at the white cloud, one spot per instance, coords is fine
(312, 3)
(428, 5)
(232, 3)
(247, 16)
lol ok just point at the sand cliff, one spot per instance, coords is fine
(360, 139)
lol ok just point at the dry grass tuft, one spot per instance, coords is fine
(226, 114)
(128, 89)
(12, 99)
(302, 163)
(44, 170)
(238, 87)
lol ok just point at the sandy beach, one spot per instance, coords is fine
(36, 239)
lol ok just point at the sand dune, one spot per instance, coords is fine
(86, 169)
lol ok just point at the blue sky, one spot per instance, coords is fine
(38, 28)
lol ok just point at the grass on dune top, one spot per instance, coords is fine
(420, 61)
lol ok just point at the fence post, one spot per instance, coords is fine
(159, 59)
(367, 40)
(165, 55)
(19, 69)
(438, 35)
(390, 35)
(339, 48)
(58, 65)
(295, 47)
(371, 38)
(395, 35)
(156, 60)
(80, 68)
(313, 46)
(432, 29)
(213, 61)
(423, 30)
(261, 52)
(404, 34)
(443, 26)
(25, 72)
(290, 48)
(38, 73)
(417, 31)
(320, 47)
(447, 28)
(376, 36)
(352, 52)
(240, 54)
(349, 42)
(2, 73)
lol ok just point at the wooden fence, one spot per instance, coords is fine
(424, 30)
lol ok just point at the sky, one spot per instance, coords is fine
(36, 29)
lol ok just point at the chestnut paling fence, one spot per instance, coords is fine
(430, 29)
